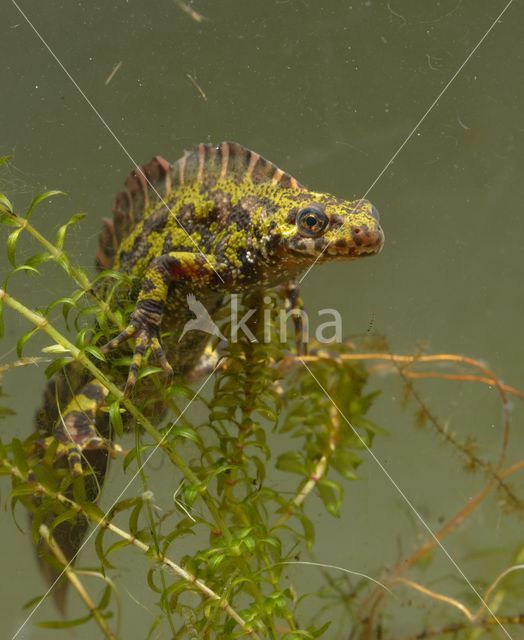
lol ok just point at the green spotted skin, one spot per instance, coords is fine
(220, 220)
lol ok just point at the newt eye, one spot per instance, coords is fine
(311, 221)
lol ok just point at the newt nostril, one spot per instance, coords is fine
(358, 235)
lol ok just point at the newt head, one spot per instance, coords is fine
(329, 229)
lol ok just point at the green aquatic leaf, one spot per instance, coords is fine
(63, 624)
(40, 198)
(62, 231)
(293, 462)
(6, 209)
(12, 240)
(55, 366)
(332, 494)
(115, 417)
(23, 339)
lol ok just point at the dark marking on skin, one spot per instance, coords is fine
(250, 204)
(157, 172)
(273, 242)
(303, 197)
(126, 260)
(175, 269)
(336, 221)
(248, 268)
(157, 221)
(291, 217)
(167, 247)
(191, 166)
(152, 307)
(341, 242)
(240, 217)
(147, 285)
(186, 212)
(78, 425)
(272, 226)
(139, 250)
(257, 233)
(188, 246)
(140, 348)
(268, 206)
(222, 201)
(94, 392)
(287, 181)
(319, 245)
(208, 182)
(262, 171)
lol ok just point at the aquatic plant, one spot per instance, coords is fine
(217, 554)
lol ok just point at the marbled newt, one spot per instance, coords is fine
(221, 219)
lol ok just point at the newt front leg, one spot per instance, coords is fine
(144, 323)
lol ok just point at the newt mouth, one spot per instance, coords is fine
(362, 242)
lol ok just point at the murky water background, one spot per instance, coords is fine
(328, 91)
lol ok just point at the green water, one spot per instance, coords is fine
(329, 91)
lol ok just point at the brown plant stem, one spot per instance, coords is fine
(148, 550)
(76, 583)
(374, 600)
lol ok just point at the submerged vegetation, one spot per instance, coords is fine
(218, 555)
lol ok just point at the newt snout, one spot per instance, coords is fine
(366, 237)
(366, 241)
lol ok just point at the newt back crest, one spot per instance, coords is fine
(156, 181)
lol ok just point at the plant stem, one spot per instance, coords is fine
(77, 585)
(61, 258)
(43, 324)
(150, 551)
